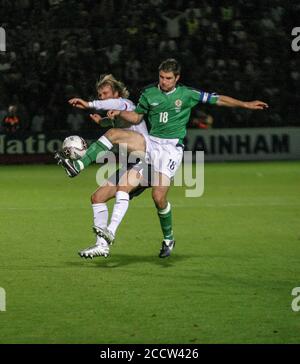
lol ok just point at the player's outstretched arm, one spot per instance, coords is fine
(231, 102)
(109, 104)
(79, 103)
(130, 116)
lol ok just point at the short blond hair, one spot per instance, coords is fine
(117, 86)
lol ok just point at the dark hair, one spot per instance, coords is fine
(170, 65)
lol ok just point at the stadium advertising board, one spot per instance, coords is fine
(246, 144)
(218, 145)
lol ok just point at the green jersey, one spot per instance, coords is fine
(169, 112)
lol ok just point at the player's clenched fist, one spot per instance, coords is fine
(113, 113)
(96, 118)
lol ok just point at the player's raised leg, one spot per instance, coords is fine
(135, 143)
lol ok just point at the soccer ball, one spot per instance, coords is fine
(74, 147)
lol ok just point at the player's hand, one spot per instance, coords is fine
(112, 114)
(79, 103)
(96, 118)
(256, 105)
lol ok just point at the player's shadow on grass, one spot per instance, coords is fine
(121, 260)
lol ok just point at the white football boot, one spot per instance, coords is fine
(104, 233)
(98, 250)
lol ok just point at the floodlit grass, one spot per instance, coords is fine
(229, 280)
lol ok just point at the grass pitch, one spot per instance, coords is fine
(229, 279)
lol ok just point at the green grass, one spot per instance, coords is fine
(229, 279)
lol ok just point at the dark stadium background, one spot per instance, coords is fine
(57, 49)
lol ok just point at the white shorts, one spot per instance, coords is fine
(165, 155)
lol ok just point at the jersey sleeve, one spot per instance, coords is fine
(208, 98)
(197, 96)
(143, 105)
(111, 104)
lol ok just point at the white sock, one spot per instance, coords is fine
(119, 211)
(100, 214)
(100, 219)
(106, 142)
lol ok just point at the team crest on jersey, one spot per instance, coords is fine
(178, 104)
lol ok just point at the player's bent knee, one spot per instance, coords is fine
(113, 135)
(104, 193)
(95, 198)
(159, 200)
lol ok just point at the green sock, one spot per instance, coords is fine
(165, 218)
(91, 155)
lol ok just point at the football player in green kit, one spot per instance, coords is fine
(167, 106)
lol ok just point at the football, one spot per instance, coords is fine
(74, 147)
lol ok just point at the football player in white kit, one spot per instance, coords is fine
(112, 95)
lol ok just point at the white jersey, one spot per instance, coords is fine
(120, 104)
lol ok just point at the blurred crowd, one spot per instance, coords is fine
(57, 49)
